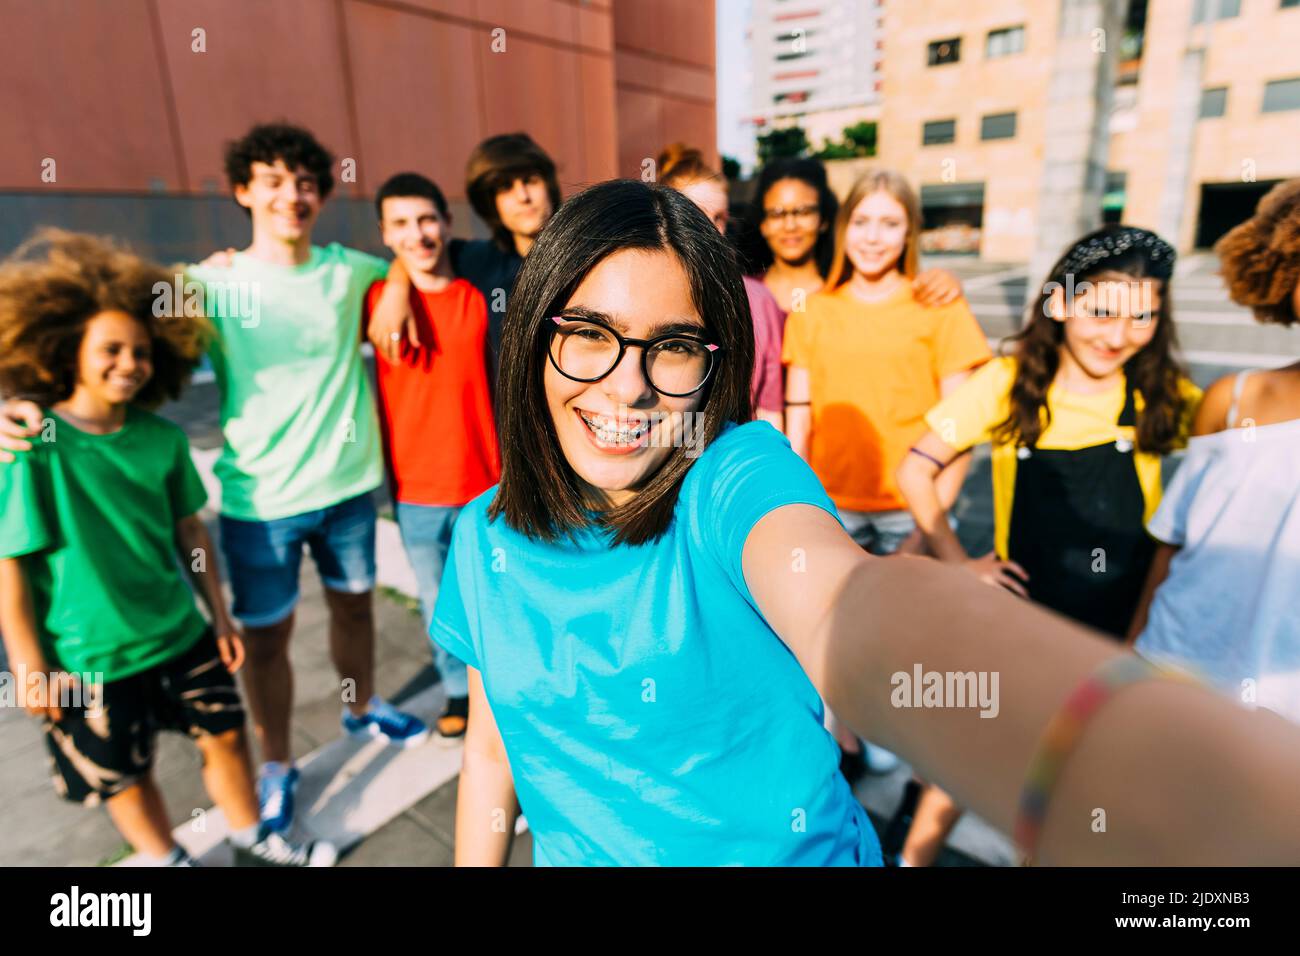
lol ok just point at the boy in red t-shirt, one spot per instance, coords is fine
(435, 402)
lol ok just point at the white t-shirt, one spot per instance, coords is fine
(1230, 607)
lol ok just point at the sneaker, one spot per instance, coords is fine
(273, 849)
(386, 721)
(275, 799)
(178, 857)
(455, 719)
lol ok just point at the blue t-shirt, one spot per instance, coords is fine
(649, 713)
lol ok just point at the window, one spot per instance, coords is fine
(1205, 11)
(943, 51)
(938, 131)
(1281, 95)
(1004, 42)
(998, 126)
(1214, 102)
(1112, 200)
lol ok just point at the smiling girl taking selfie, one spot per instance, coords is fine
(649, 622)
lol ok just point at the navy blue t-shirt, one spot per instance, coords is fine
(492, 270)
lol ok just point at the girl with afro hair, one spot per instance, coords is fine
(1220, 597)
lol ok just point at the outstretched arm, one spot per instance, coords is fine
(1159, 766)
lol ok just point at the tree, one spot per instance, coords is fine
(862, 136)
(779, 143)
(731, 167)
(859, 140)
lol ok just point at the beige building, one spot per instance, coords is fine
(1198, 114)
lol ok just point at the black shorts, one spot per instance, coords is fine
(101, 750)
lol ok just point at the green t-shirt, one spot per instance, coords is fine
(297, 412)
(93, 518)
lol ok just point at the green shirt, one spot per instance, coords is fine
(297, 412)
(93, 518)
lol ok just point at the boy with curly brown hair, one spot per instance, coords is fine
(96, 522)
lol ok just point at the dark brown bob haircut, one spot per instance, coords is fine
(497, 162)
(540, 495)
(1260, 259)
(54, 284)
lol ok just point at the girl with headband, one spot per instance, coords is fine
(1079, 413)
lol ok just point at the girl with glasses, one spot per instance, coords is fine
(796, 212)
(654, 596)
(683, 168)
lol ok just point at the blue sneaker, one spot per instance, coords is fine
(384, 720)
(275, 799)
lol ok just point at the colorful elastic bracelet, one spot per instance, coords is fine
(930, 458)
(1062, 734)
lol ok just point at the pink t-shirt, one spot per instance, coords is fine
(767, 388)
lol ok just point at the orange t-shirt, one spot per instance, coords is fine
(875, 370)
(435, 404)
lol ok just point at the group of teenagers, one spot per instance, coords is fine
(664, 655)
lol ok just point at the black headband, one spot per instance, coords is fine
(1084, 257)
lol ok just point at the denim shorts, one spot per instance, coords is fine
(879, 532)
(263, 558)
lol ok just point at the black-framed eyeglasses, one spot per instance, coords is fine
(675, 364)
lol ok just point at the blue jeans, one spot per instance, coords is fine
(426, 536)
(263, 557)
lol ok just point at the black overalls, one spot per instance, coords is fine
(1077, 528)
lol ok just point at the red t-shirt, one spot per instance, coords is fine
(435, 403)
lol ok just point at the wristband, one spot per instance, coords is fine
(930, 458)
(1063, 732)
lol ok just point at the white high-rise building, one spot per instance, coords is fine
(816, 64)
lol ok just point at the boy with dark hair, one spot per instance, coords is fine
(443, 386)
(302, 448)
(511, 183)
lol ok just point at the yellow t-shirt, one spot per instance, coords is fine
(970, 415)
(875, 370)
